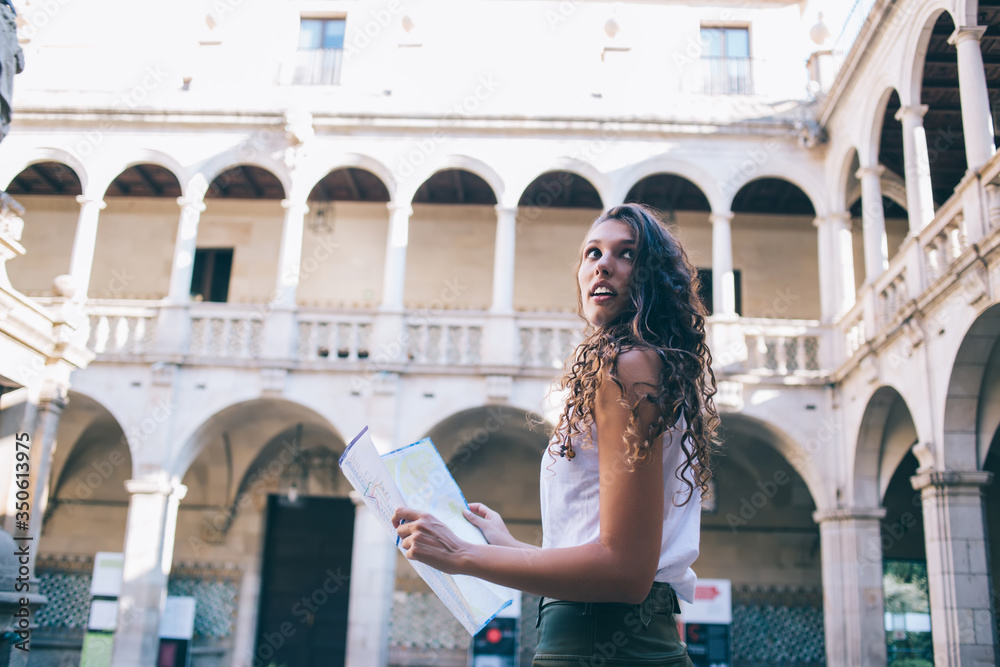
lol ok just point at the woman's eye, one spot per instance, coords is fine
(629, 253)
(591, 252)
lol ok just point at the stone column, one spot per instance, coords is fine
(395, 257)
(723, 279)
(184, 250)
(503, 260)
(958, 566)
(842, 239)
(500, 340)
(82, 259)
(919, 195)
(149, 549)
(43, 447)
(389, 337)
(853, 609)
(828, 277)
(279, 322)
(290, 255)
(172, 322)
(876, 245)
(373, 579)
(977, 120)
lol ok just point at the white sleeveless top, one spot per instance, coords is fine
(571, 508)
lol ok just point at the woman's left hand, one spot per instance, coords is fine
(426, 539)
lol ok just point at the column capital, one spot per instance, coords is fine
(289, 204)
(943, 479)
(508, 210)
(395, 207)
(195, 203)
(726, 217)
(874, 170)
(155, 486)
(965, 33)
(83, 200)
(849, 514)
(915, 111)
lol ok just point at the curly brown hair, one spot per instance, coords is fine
(665, 314)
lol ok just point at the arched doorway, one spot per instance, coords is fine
(48, 192)
(344, 240)
(685, 208)
(554, 212)
(265, 533)
(454, 216)
(760, 534)
(141, 211)
(772, 213)
(239, 235)
(494, 453)
(85, 514)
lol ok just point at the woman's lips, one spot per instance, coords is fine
(602, 298)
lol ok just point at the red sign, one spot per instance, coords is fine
(706, 593)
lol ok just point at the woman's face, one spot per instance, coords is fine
(608, 257)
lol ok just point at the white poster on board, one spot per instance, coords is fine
(107, 579)
(177, 621)
(713, 603)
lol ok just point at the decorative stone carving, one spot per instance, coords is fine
(11, 63)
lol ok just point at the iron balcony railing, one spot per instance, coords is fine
(724, 75)
(317, 67)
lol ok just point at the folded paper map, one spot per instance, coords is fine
(416, 476)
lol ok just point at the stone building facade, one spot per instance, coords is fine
(282, 222)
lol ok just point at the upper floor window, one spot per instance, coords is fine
(726, 61)
(210, 274)
(320, 53)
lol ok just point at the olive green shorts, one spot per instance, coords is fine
(592, 634)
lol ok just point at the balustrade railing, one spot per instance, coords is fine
(334, 336)
(121, 327)
(547, 342)
(776, 347)
(225, 331)
(450, 340)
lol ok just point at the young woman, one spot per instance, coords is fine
(622, 480)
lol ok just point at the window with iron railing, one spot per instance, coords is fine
(727, 68)
(320, 54)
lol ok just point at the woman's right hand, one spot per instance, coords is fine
(493, 527)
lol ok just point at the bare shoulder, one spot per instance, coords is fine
(639, 365)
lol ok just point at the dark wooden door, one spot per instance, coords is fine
(302, 620)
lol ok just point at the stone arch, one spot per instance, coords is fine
(218, 165)
(886, 434)
(461, 162)
(874, 121)
(806, 184)
(38, 155)
(847, 182)
(462, 434)
(967, 11)
(91, 462)
(970, 408)
(796, 455)
(599, 181)
(315, 172)
(759, 532)
(265, 418)
(668, 165)
(86, 424)
(917, 44)
(106, 177)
